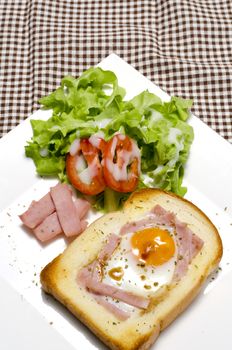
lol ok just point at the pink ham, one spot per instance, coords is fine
(157, 216)
(188, 243)
(116, 293)
(56, 213)
(119, 313)
(49, 228)
(134, 226)
(84, 224)
(163, 217)
(82, 207)
(109, 248)
(38, 211)
(90, 277)
(94, 284)
(85, 276)
(66, 210)
(93, 270)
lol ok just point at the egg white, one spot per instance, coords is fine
(138, 278)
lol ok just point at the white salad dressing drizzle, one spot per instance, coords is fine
(95, 139)
(120, 173)
(148, 180)
(108, 89)
(155, 115)
(80, 164)
(173, 139)
(179, 144)
(43, 152)
(158, 169)
(173, 133)
(121, 137)
(75, 146)
(87, 174)
(102, 123)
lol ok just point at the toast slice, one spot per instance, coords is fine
(59, 278)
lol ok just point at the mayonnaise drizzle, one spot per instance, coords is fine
(85, 176)
(75, 146)
(102, 123)
(173, 139)
(120, 173)
(87, 173)
(43, 152)
(96, 139)
(80, 164)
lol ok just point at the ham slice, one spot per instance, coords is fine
(188, 243)
(157, 216)
(56, 213)
(134, 226)
(84, 224)
(119, 313)
(82, 207)
(38, 211)
(90, 277)
(66, 210)
(109, 248)
(49, 228)
(163, 216)
(116, 293)
(90, 273)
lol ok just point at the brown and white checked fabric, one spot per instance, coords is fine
(183, 46)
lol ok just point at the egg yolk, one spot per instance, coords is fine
(153, 246)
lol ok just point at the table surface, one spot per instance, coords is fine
(182, 46)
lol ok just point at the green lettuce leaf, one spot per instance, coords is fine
(95, 102)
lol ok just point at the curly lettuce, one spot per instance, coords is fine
(95, 102)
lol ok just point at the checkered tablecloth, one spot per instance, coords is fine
(183, 46)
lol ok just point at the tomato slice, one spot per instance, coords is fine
(84, 169)
(121, 166)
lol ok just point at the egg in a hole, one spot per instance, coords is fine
(144, 261)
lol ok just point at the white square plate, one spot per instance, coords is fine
(31, 320)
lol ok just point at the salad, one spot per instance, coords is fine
(93, 123)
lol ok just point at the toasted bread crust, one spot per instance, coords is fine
(144, 195)
(58, 278)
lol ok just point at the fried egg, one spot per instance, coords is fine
(144, 261)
